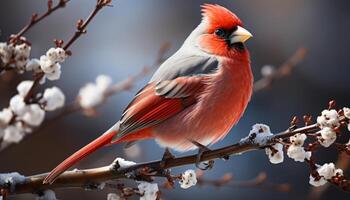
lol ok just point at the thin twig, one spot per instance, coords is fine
(284, 70)
(81, 25)
(35, 19)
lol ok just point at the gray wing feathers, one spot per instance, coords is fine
(171, 89)
(179, 66)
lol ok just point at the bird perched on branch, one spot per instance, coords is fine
(194, 98)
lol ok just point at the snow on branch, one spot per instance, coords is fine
(259, 138)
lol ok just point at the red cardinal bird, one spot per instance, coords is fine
(198, 94)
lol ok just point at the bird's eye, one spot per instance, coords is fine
(220, 32)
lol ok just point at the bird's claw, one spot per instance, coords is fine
(201, 150)
(166, 156)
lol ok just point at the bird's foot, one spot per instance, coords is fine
(201, 149)
(167, 155)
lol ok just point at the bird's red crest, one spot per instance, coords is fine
(219, 17)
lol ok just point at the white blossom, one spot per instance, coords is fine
(267, 70)
(328, 136)
(298, 139)
(46, 64)
(113, 196)
(275, 153)
(92, 94)
(33, 65)
(24, 87)
(13, 134)
(298, 153)
(22, 50)
(149, 191)
(47, 195)
(53, 98)
(51, 69)
(56, 55)
(5, 116)
(103, 82)
(21, 57)
(6, 52)
(317, 183)
(18, 105)
(327, 170)
(338, 172)
(346, 112)
(55, 74)
(188, 179)
(328, 118)
(33, 115)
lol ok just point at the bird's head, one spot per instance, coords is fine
(221, 32)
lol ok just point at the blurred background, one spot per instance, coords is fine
(125, 37)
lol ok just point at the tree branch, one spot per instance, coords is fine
(83, 178)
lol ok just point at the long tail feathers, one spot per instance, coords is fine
(77, 156)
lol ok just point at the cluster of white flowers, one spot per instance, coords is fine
(50, 63)
(93, 94)
(296, 150)
(149, 191)
(18, 119)
(188, 179)
(53, 98)
(260, 134)
(326, 171)
(328, 120)
(15, 55)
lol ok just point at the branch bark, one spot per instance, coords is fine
(83, 178)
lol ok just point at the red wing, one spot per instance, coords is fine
(158, 102)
